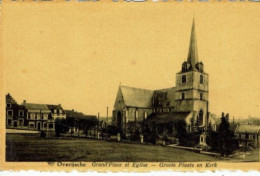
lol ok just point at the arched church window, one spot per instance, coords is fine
(201, 79)
(200, 117)
(136, 114)
(201, 96)
(145, 115)
(183, 79)
(119, 119)
(126, 116)
(183, 96)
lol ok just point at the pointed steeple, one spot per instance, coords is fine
(193, 52)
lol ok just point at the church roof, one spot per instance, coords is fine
(193, 51)
(165, 96)
(247, 129)
(136, 97)
(167, 117)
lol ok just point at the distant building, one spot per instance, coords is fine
(39, 117)
(15, 114)
(57, 111)
(188, 100)
(248, 135)
(31, 116)
(79, 122)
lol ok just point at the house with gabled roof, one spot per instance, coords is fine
(57, 111)
(15, 114)
(248, 134)
(32, 116)
(188, 100)
(39, 117)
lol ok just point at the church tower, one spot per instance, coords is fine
(192, 85)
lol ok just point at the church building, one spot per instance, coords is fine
(188, 100)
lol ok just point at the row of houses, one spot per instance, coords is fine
(40, 117)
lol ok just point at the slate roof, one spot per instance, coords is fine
(78, 115)
(51, 107)
(36, 107)
(167, 117)
(136, 97)
(10, 99)
(72, 113)
(168, 99)
(253, 129)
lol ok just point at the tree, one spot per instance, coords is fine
(61, 126)
(180, 131)
(223, 140)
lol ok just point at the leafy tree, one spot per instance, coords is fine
(223, 140)
(113, 130)
(61, 126)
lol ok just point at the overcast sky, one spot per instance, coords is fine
(76, 54)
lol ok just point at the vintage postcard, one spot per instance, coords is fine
(128, 85)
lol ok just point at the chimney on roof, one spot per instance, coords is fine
(59, 105)
(24, 102)
(72, 110)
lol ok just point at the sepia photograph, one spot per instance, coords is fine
(130, 82)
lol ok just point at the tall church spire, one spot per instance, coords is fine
(193, 52)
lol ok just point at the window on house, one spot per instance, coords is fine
(201, 79)
(49, 117)
(45, 116)
(250, 136)
(38, 116)
(32, 116)
(55, 111)
(44, 125)
(9, 122)
(201, 96)
(136, 114)
(21, 122)
(183, 79)
(183, 96)
(50, 125)
(31, 125)
(21, 113)
(8, 105)
(60, 111)
(10, 112)
(247, 136)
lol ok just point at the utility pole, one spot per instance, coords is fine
(98, 127)
(106, 122)
(98, 121)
